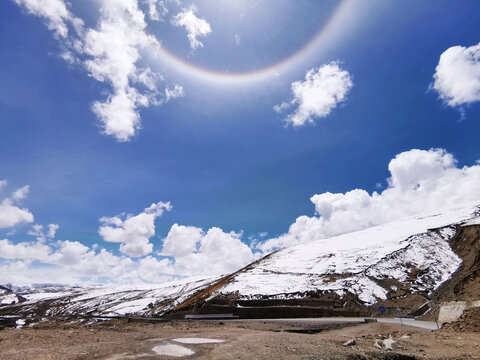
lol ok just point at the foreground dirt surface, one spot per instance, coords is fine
(117, 340)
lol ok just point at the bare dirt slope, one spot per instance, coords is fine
(465, 282)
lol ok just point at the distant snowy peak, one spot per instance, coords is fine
(106, 300)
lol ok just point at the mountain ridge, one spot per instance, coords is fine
(398, 264)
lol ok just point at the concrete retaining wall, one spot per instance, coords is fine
(452, 310)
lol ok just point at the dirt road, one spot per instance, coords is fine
(428, 325)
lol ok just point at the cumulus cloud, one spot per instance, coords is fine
(154, 270)
(133, 232)
(190, 251)
(182, 240)
(186, 251)
(196, 27)
(196, 252)
(28, 251)
(457, 75)
(68, 262)
(112, 54)
(420, 180)
(64, 261)
(10, 213)
(315, 97)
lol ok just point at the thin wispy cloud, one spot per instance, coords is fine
(44, 235)
(55, 13)
(157, 9)
(196, 27)
(11, 212)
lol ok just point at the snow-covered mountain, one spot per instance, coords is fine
(395, 262)
(355, 261)
(399, 264)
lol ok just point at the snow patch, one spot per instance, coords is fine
(475, 221)
(172, 350)
(19, 323)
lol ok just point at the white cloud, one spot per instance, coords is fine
(157, 9)
(55, 12)
(195, 26)
(187, 250)
(281, 107)
(457, 75)
(52, 230)
(237, 39)
(154, 270)
(3, 184)
(174, 93)
(21, 193)
(182, 240)
(118, 114)
(68, 262)
(323, 89)
(112, 54)
(28, 251)
(41, 235)
(134, 232)
(10, 213)
(420, 180)
(198, 253)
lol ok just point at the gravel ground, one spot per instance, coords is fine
(117, 340)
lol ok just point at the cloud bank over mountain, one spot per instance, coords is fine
(420, 180)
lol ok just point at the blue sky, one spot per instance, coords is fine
(218, 151)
